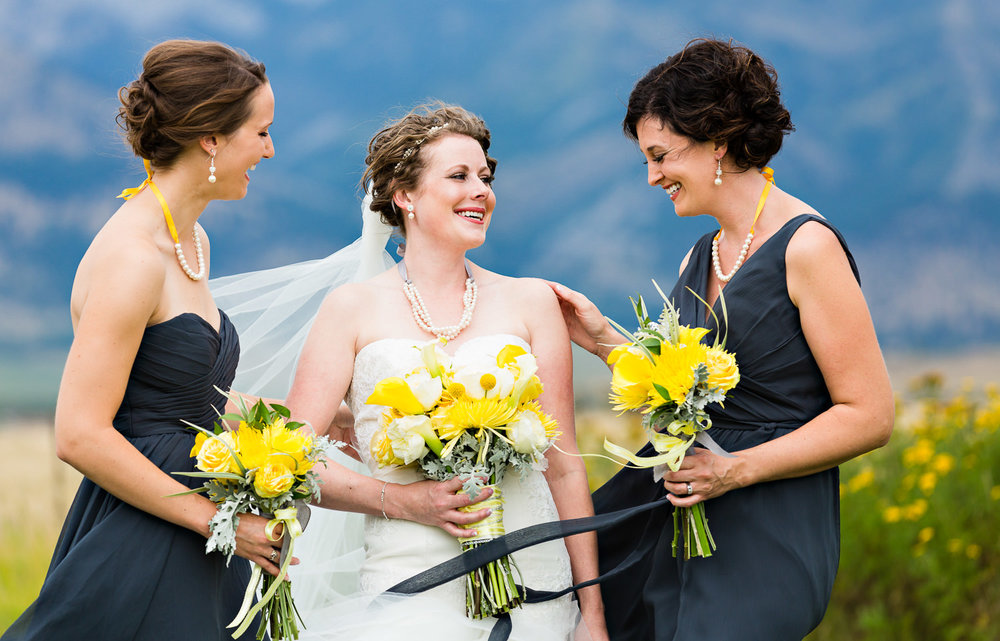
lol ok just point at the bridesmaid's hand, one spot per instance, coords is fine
(709, 476)
(435, 503)
(587, 326)
(252, 543)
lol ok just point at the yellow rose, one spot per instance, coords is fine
(273, 479)
(215, 455)
(198, 442)
(722, 369)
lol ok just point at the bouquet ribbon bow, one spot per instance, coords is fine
(287, 517)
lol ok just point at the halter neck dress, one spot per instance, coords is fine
(119, 573)
(778, 543)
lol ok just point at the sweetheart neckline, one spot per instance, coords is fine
(205, 322)
(415, 341)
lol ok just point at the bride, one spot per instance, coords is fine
(430, 177)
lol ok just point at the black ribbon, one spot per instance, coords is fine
(526, 537)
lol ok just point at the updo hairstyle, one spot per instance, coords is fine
(715, 91)
(395, 160)
(187, 89)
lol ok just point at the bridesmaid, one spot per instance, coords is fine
(149, 348)
(814, 391)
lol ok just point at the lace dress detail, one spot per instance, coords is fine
(397, 549)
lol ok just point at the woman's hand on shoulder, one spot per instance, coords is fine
(587, 326)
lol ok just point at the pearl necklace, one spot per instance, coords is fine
(725, 278)
(423, 317)
(129, 193)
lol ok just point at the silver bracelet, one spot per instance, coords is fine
(382, 500)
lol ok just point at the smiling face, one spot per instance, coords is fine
(238, 153)
(454, 199)
(685, 169)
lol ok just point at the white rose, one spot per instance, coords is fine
(425, 387)
(405, 437)
(528, 434)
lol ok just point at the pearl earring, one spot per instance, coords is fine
(718, 172)
(410, 215)
(211, 167)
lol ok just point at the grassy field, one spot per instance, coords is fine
(36, 489)
(920, 557)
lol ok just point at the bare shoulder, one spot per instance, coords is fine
(812, 243)
(529, 291)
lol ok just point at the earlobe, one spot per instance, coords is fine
(720, 149)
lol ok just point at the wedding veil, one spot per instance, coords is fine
(273, 310)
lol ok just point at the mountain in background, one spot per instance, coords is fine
(895, 105)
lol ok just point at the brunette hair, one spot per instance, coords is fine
(715, 91)
(394, 158)
(187, 89)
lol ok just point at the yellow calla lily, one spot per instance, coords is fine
(395, 393)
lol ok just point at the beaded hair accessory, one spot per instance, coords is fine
(416, 146)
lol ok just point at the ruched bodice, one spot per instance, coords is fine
(179, 364)
(119, 573)
(778, 542)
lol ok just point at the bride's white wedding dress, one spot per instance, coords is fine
(395, 550)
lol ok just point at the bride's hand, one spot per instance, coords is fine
(252, 543)
(436, 503)
(587, 326)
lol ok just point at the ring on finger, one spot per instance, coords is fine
(274, 555)
(690, 489)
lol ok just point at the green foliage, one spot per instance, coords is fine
(919, 523)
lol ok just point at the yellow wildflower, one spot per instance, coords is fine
(995, 492)
(973, 550)
(861, 480)
(943, 463)
(927, 482)
(919, 453)
(925, 534)
(916, 510)
(892, 514)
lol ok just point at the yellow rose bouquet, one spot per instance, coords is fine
(474, 418)
(667, 373)
(265, 466)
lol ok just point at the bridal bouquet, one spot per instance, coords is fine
(670, 375)
(473, 418)
(264, 466)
